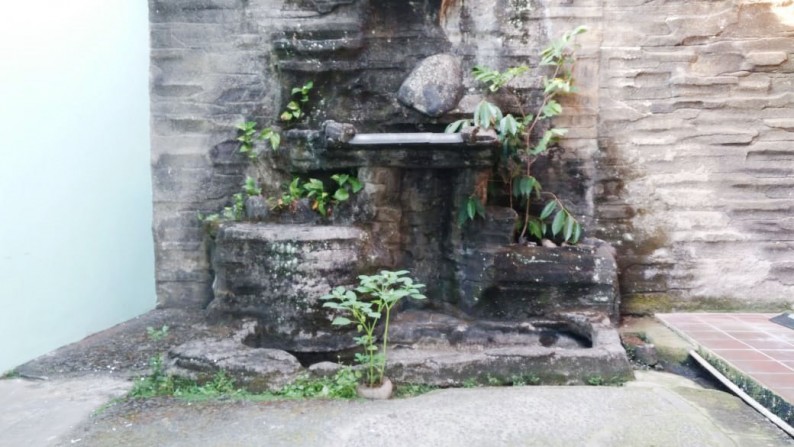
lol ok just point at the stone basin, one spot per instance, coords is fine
(568, 348)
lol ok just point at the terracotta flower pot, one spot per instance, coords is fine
(381, 392)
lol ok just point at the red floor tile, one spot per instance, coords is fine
(725, 343)
(703, 334)
(784, 355)
(750, 342)
(774, 381)
(763, 366)
(744, 355)
(752, 335)
(765, 345)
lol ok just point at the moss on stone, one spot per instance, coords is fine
(761, 394)
(649, 304)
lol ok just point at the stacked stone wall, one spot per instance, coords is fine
(696, 160)
(680, 149)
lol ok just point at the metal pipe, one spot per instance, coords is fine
(396, 139)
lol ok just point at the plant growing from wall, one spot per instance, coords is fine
(249, 135)
(322, 201)
(366, 307)
(523, 142)
(235, 211)
(296, 107)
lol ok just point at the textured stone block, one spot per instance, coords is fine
(277, 273)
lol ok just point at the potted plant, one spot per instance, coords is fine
(366, 306)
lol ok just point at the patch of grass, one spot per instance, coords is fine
(342, 385)
(157, 334)
(605, 381)
(528, 379)
(471, 382)
(413, 389)
(525, 380)
(10, 374)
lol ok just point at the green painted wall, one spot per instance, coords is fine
(76, 251)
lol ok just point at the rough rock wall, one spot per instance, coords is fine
(696, 132)
(680, 147)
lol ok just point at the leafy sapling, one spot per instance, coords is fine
(522, 146)
(366, 307)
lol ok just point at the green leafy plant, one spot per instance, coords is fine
(495, 79)
(413, 390)
(315, 190)
(249, 134)
(523, 142)
(346, 185)
(342, 385)
(366, 307)
(236, 211)
(295, 108)
(157, 334)
(10, 374)
(322, 201)
(471, 208)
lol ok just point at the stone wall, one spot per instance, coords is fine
(696, 161)
(680, 149)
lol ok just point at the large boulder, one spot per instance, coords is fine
(435, 86)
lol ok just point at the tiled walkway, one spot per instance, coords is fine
(750, 342)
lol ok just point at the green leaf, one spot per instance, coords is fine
(508, 125)
(577, 233)
(286, 116)
(471, 208)
(548, 209)
(552, 108)
(275, 140)
(557, 224)
(569, 223)
(292, 105)
(340, 321)
(535, 229)
(341, 195)
(457, 126)
(355, 184)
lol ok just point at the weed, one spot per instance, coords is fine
(157, 334)
(413, 389)
(322, 201)
(249, 134)
(379, 293)
(341, 386)
(471, 382)
(493, 381)
(605, 381)
(10, 374)
(525, 380)
(296, 107)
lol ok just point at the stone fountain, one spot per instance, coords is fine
(390, 77)
(497, 309)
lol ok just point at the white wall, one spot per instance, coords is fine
(75, 192)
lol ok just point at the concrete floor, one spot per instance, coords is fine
(658, 409)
